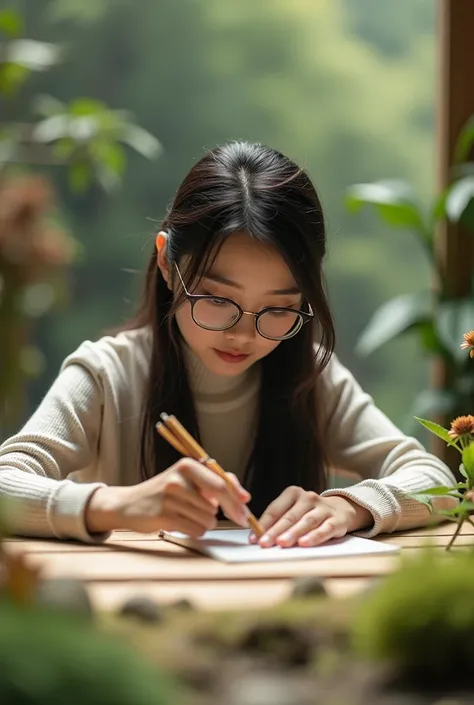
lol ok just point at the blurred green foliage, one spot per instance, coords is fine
(87, 138)
(47, 658)
(346, 89)
(436, 317)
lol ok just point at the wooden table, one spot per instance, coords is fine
(130, 564)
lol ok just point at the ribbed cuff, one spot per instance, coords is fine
(378, 500)
(66, 509)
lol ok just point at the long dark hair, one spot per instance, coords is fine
(252, 188)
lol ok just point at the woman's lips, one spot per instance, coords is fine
(231, 356)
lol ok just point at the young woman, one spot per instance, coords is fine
(235, 337)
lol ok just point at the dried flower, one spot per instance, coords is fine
(468, 342)
(462, 426)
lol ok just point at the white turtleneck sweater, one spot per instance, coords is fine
(86, 433)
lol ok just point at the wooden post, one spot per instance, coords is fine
(455, 104)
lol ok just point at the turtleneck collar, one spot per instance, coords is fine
(207, 386)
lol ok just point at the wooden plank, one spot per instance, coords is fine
(408, 542)
(160, 565)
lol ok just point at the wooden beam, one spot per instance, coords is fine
(455, 105)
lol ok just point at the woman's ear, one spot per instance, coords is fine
(161, 257)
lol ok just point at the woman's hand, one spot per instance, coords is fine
(183, 498)
(303, 518)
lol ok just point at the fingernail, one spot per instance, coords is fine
(252, 538)
(266, 540)
(304, 540)
(285, 537)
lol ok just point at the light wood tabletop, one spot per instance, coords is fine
(130, 564)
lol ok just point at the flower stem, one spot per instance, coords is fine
(456, 533)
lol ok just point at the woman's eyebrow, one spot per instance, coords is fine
(219, 279)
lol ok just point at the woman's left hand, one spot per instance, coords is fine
(302, 518)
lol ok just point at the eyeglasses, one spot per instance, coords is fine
(217, 313)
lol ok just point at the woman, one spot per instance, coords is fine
(235, 337)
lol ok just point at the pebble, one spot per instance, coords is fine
(308, 586)
(66, 595)
(142, 608)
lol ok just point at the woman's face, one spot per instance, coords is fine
(253, 275)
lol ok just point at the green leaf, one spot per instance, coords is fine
(438, 211)
(47, 106)
(423, 499)
(461, 508)
(394, 317)
(441, 490)
(453, 318)
(80, 176)
(459, 201)
(142, 141)
(463, 472)
(109, 155)
(468, 461)
(11, 77)
(33, 55)
(436, 429)
(465, 141)
(11, 23)
(393, 201)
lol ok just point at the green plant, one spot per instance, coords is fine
(420, 620)
(436, 317)
(47, 658)
(461, 437)
(85, 137)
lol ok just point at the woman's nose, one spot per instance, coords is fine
(243, 329)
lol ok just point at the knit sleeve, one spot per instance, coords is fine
(60, 438)
(360, 438)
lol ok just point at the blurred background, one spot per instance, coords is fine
(344, 87)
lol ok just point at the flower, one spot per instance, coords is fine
(462, 426)
(468, 342)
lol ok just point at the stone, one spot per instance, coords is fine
(66, 595)
(142, 608)
(279, 643)
(308, 586)
(183, 604)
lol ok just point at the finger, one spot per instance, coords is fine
(211, 485)
(279, 507)
(185, 489)
(177, 522)
(328, 529)
(235, 511)
(309, 521)
(196, 521)
(241, 491)
(287, 522)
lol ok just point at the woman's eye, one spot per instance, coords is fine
(280, 314)
(215, 300)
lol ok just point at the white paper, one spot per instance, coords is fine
(232, 546)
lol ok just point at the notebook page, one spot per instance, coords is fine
(231, 546)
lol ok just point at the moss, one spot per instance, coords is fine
(421, 620)
(47, 658)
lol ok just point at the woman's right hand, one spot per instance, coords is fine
(185, 498)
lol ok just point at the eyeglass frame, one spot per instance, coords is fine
(305, 316)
